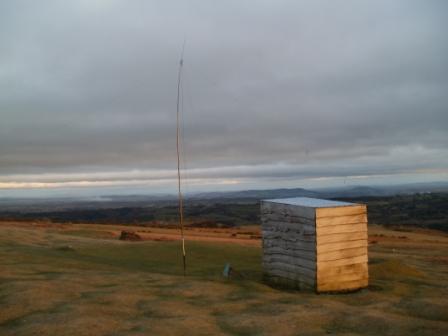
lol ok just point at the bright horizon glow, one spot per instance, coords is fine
(191, 185)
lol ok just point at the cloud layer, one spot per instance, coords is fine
(324, 88)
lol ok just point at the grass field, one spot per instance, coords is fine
(80, 280)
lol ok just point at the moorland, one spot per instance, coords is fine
(65, 274)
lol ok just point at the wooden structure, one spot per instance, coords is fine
(315, 243)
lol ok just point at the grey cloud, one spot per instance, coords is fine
(89, 86)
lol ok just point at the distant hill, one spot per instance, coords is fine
(120, 201)
(257, 194)
(349, 191)
(356, 191)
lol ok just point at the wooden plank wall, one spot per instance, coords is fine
(289, 243)
(341, 245)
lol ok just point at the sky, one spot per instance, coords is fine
(274, 94)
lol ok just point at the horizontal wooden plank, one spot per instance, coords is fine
(335, 229)
(337, 246)
(277, 217)
(343, 277)
(285, 209)
(343, 286)
(289, 245)
(273, 258)
(285, 226)
(340, 237)
(292, 277)
(273, 225)
(311, 273)
(341, 262)
(290, 272)
(341, 220)
(341, 211)
(268, 232)
(296, 238)
(287, 283)
(333, 272)
(342, 254)
(302, 254)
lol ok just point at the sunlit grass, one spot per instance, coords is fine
(52, 283)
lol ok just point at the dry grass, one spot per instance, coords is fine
(80, 280)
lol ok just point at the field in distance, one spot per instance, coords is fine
(425, 210)
(79, 279)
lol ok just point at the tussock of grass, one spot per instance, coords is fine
(358, 324)
(423, 309)
(98, 234)
(35, 316)
(232, 327)
(394, 268)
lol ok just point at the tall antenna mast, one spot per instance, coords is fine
(181, 210)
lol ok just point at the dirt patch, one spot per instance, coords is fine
(443, 260)
(130, 235)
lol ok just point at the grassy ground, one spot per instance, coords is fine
(83, 282)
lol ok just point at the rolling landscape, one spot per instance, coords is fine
(65, 271)
(398, 206)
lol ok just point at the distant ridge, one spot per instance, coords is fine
(356, 191)
(257, 194)
(139, 200)
(337, 192)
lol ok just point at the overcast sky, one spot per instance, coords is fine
(275, 93)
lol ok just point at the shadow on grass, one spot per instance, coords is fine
(36, 315)
(359, 324)
(204, 260)
(423, 309)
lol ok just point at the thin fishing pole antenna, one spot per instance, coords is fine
(181, 210)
